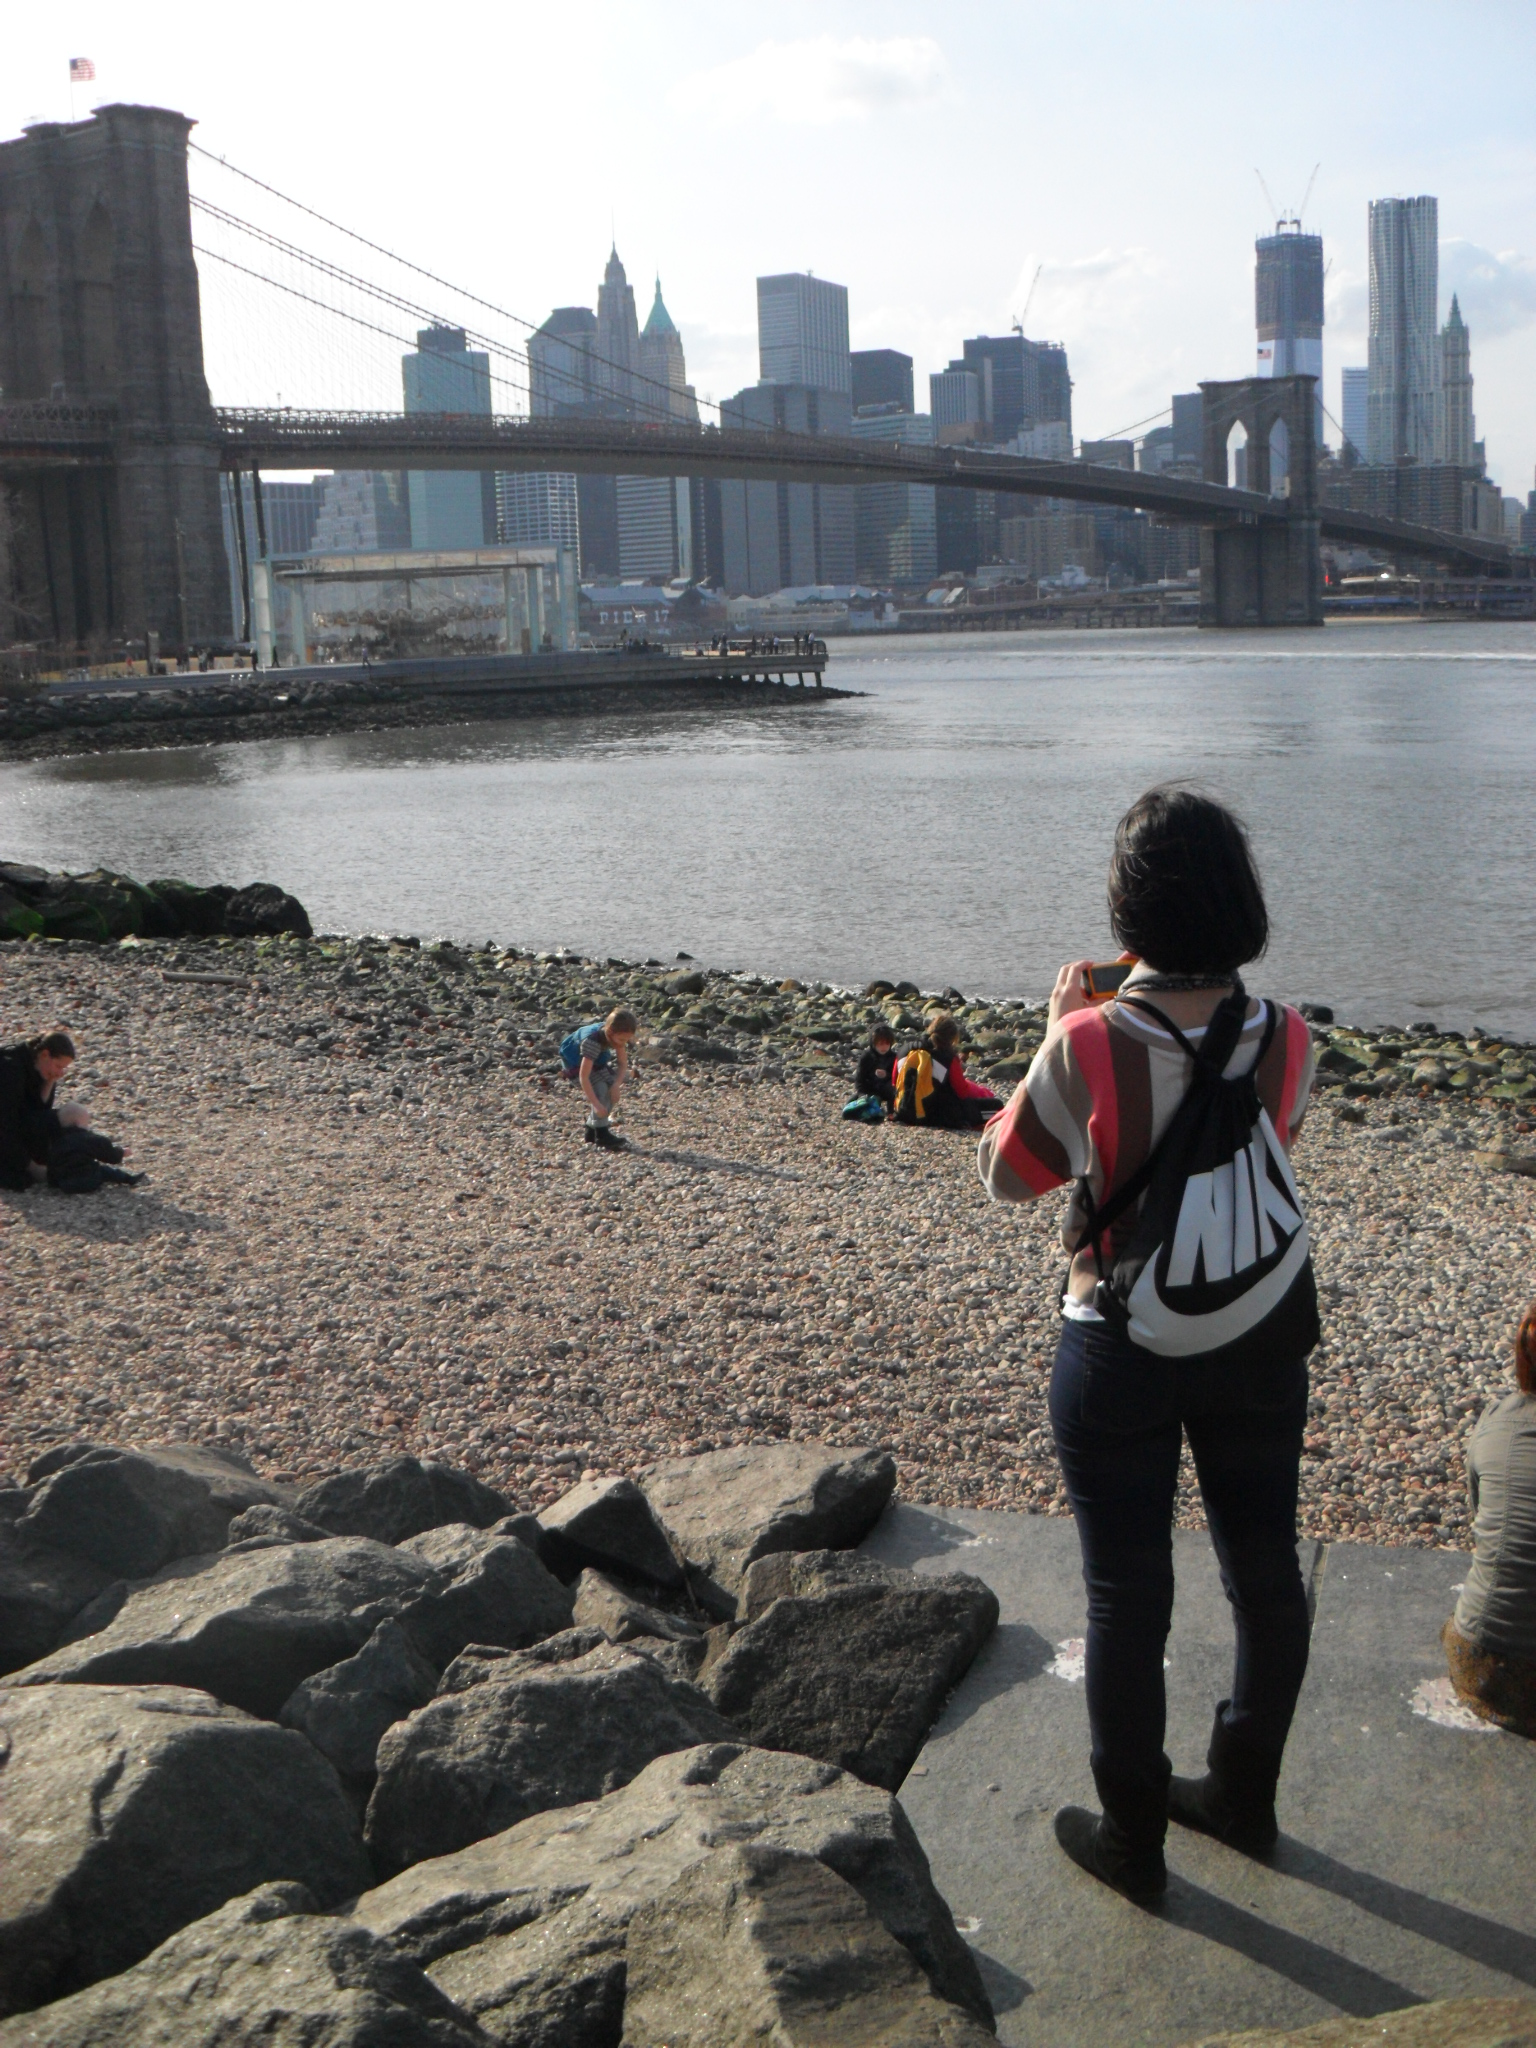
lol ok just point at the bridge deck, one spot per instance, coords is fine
(38, 436)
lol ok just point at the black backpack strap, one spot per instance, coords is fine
(1211, 1056)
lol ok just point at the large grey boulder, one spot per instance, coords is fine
(400, 1499)
(726, 1508)
(264, 1971)
(496, 1592)
(528, 1929)
(246, 1626)
(41, 1591)
(530, 1736)
(127, 1812)
(757, 1944)
(345, 1709)
(608, 1522)
(849, 1660)
(130, 1512)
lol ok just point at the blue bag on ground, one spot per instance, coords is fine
(864, 1109)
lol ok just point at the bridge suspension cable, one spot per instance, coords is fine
(340, 313)
(661, 404)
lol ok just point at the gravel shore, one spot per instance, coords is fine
(371, 1227)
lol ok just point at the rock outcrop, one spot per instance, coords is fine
(267, 1968)
(246, 1626)
(759, 1943)
(849, 1660)
(129, 1811)
(528, 1930)
(346, 1709)
(530, 1736)
(610, 1524)
(400, 1499)
(726, 1508)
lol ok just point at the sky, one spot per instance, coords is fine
(932, 159)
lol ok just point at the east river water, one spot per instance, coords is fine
(951, 826)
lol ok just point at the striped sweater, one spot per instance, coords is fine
(1099, 1095)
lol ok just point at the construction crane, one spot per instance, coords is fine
(1020, 318)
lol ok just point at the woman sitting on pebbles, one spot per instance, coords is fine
(41, 1139)
(1490, 1641)
(1189, 1311)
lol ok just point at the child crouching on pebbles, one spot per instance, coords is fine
(596, 1058)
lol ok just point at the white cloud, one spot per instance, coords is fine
(1497, 291)
(819, 80)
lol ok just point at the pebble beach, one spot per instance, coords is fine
(371, 1228)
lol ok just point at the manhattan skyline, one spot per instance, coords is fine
(932, 163)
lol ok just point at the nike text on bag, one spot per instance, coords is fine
(1219, 1254)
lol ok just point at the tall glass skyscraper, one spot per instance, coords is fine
(1288, 304)
(1404, 398)
(1355, 407)
(802, 333)
(450, 508)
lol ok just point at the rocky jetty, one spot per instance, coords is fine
(367, 1779)
(100, 906)
(275, 704)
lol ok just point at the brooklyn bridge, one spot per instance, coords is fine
(112, 450)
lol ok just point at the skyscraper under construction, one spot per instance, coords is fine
(1288, 302)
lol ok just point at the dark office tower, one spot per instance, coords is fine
(882, 376)
(1288, 306)
(776, 536)
(1023, 383)
(1045, 363)
(1189, 429)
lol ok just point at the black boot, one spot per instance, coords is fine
(1106, 1852)
(1235, 1800)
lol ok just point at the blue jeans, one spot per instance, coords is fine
(1118, 1415)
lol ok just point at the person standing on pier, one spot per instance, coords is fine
(1189, 1312)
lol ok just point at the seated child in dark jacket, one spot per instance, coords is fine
(877, 1068)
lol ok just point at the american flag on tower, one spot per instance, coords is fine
(81, 70)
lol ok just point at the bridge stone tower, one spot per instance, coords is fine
(99, 306)
(1263, 568)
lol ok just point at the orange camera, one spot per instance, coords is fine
(1102, 984)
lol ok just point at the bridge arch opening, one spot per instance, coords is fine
(1237, 457)
(1279, 459)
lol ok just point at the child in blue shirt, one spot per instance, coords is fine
(596, 1058)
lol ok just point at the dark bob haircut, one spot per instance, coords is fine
(1184, 894)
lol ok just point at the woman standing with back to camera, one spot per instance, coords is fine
(1189, 1310)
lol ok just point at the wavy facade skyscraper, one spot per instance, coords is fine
(1403, 405)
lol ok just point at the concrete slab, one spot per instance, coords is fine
(1403, 1872)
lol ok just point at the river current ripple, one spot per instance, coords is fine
(950, 826)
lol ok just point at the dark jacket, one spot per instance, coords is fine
(29, 1124)
(877, 1074)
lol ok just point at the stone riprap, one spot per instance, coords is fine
(371, 1229)
(435, 1687)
